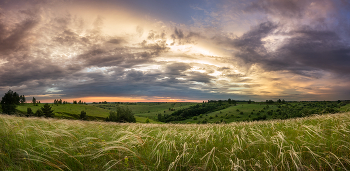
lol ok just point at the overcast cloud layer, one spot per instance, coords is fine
(187, 51)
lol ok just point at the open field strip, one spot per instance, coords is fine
(313, 143)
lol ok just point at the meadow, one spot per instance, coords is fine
(234, 113)
(319, 142)
(72, 111)
(148, 110)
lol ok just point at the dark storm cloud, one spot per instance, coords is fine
(200, 77)
(17, 73)
(305, 49)
(313, 49)
(14, 39)
(252, 40)
(177, 69)
(139, 83)
(126, 57)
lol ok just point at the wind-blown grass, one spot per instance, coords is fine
(314, 143)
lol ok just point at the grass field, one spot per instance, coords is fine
(149, 110)
(312, 143)
(243, 112)
(72, 111)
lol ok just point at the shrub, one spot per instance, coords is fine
(83, 115)
(29, 111)
(123, 114)
(39, 113)
(112, 117)
(46, 109)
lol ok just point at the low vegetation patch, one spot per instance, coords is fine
(190, 112)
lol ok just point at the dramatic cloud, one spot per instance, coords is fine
(193, 50)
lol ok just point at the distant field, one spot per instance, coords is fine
(231, 114)
(311, 143)
(149, 110)
(63, 110)
(248, 112)
(72, 111)
(142, 111)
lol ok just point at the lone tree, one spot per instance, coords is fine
(83, 115)
(34, 101)
(47, 111)
(39, 113)
(234, 102)
(9, 102)
(29, 111)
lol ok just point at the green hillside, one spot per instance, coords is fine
(234, 113)
(262, 111)
(149, 110)
(72, 111)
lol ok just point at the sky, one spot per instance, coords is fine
(165, 51)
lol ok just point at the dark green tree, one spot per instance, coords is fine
(160, 118)
(279, 101)
(229, 101)
(83, 115)
(125, 114)
(9, 102)
(47, 111)
(29, 111)
(249, 102)
(39, 113)
(112, 117)
(234, 102)
(34, 101)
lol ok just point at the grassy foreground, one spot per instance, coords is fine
(314, 143)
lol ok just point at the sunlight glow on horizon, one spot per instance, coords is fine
(112, 99)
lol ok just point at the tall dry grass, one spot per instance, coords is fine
(314, 143)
